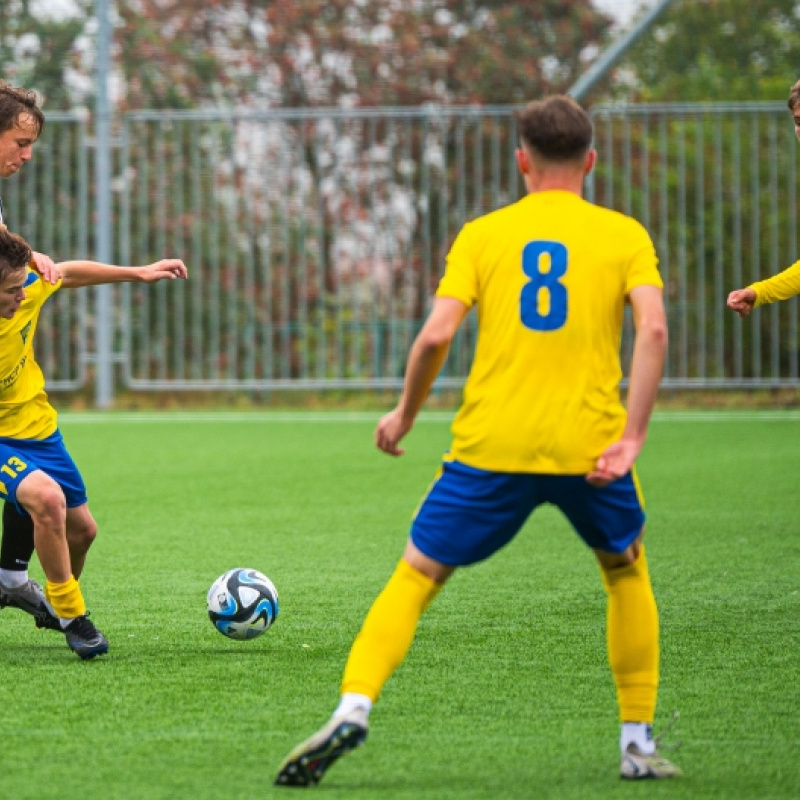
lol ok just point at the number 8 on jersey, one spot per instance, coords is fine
(555, 300)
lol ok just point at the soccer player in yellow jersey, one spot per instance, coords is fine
(21, 124)
(785, 284)
(37, 474)
(541, 422)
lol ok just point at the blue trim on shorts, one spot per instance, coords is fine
(469, 514)
(20, 457)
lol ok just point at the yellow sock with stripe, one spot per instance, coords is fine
(388, 631)
(632, 635)
(65, 598)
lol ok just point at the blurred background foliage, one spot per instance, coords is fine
(318, 237)
(183, 54)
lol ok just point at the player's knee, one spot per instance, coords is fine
(43, 499)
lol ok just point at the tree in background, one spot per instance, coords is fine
(300, 53)
(713, 50)
(48, 53)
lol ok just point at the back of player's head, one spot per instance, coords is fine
(556, 129)
(14, 103)
(15, 253)
(794, 97)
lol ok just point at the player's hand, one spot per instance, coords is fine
(46, 267)
(614, 462)
(742, 301)
(166, 269)
(392, 427)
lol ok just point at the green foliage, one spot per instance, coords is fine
(36, 51)
(298, 53)
(717, 50)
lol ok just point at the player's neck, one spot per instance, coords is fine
(566, 181)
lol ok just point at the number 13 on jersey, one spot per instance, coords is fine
(543, 301)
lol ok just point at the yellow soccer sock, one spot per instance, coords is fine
(65, 598)
(388, 631)
(632, 634)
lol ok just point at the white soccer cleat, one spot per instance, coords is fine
(308, 762)
(637, 765)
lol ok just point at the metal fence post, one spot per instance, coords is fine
(104, 387)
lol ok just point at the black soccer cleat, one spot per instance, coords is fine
(84, 639)
(310, 760)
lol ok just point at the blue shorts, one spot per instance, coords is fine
(469, 514)
(20, 457)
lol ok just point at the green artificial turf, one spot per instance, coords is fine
(506, 692)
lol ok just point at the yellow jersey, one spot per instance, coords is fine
(550, 276)
(25, 412)
(782, 286)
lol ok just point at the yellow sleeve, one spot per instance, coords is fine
(643, 266)
(460, 279)
(35, 282)
(782, 286)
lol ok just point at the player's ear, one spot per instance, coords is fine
(523, 161)
(591, 160)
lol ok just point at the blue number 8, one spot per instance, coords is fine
(556, 314)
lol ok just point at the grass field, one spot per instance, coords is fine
(506, 693)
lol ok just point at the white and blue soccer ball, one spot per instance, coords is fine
(242, 603)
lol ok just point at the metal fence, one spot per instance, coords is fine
(315, 239)
(716, 186)
(48, 203)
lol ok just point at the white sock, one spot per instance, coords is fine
(350, 702)
(13, 578)
(638, 733)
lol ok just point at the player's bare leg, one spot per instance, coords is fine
(43, 499)
(81, 533)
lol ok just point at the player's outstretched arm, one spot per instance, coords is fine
(649, 350)
(779, 287)
(92, 273)
(424, 362)
(742, 301)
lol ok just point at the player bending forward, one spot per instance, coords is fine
(37, 473)
(541, 422)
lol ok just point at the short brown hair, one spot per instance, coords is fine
(794, 97)
(15, 253)
(15, 102)
(556, 128)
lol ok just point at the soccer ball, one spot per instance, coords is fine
(242, 603)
